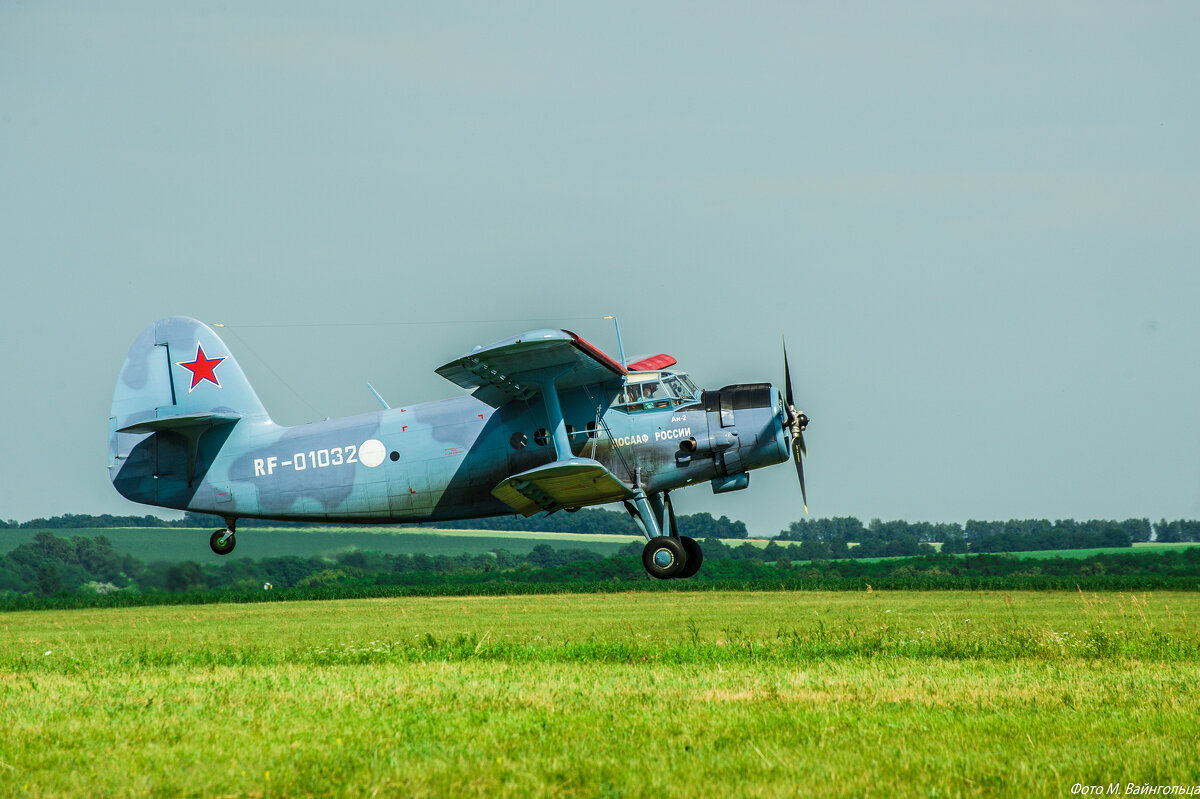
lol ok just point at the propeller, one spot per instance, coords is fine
(797, 421)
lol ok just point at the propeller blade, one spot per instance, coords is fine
(797, 450)
(787, 378)
(797, 420)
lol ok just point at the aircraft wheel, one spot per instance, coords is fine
(221, 542)
(695, 557)
(664, 557)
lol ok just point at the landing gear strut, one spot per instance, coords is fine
(667, 554)
(222, 541)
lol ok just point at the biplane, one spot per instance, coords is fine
(551, 423)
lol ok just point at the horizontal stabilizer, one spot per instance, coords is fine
(567, 483)
(182, 422)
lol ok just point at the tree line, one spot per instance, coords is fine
(880, 538)
(585, 521)
(875, 539)
(49, 565)
(74, 569)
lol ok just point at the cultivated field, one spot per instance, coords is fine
(1144, 548)
(1141, 547)
(663, 695)
(174, 544)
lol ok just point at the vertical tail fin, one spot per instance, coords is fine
(180, 367)
(179, 381)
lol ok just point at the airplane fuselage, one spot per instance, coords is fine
(440, 460)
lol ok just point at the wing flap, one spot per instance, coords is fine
(569, 483)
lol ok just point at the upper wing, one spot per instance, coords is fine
(513, 368)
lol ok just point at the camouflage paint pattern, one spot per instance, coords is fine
(434, 461)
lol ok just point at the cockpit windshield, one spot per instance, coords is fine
(681, 385)
(645, 391)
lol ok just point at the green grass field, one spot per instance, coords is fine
(1087, 553)
(663, 695)
(1144, 548)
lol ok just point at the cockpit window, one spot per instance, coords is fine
(679, 386)
(692, 391)
(647, 391)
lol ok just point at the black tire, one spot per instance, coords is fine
(695, 557)
(214, 542)
(664, 548)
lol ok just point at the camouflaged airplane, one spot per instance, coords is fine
(552, 423)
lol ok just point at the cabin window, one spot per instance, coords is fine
(518, 440)
(541, 436)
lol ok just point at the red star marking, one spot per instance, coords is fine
(202, 368)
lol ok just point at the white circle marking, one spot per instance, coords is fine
(371, 452)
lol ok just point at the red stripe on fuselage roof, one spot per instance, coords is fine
(596, 354)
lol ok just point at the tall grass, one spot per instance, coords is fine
(664, 694)
(796, 646)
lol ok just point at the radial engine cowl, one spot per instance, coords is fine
(718, 442)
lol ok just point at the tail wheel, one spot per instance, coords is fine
(222, 542)
(695, 557)
(664, 557)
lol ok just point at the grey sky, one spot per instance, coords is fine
(978, 226)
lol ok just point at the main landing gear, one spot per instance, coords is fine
(665, 557)
(222, 541)
(667, 554)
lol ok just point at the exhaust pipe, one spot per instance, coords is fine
(726, 439)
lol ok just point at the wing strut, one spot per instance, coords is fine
(558, 425)
(566, 482)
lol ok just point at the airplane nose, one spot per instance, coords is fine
(740, 416)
